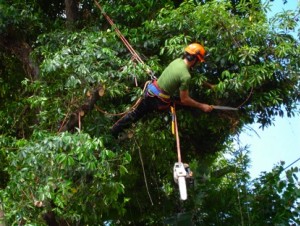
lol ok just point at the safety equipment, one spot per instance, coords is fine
(154, 90)
(196, 50)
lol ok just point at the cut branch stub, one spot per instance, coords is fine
(85, 108)
(101, 91)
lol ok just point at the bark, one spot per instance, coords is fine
(76, 117)
(50, 219)
(2, 219)
(15, 46)
(71, 10)
(22, 51)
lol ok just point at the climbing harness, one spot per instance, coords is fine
(154, 90)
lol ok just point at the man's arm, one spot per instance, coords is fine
(185, 99)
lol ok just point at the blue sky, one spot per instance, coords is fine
(273, 144)
(280, 142)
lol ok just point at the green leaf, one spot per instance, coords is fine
(123, 170)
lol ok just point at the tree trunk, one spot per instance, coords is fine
(71, 11)
(22, 51)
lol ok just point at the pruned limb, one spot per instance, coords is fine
(76, 117)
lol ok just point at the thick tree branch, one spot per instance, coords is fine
(88, 106)
(71, 7)
(22, 51)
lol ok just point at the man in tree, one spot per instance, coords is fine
(158, 93)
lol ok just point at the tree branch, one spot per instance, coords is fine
(88, 106)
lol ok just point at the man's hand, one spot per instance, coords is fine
(206, 108)
(188, 101)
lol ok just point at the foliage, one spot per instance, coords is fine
(280, 194)
(229, 197)
(85, 177)
(58, 173)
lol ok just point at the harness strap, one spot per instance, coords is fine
(153, 89)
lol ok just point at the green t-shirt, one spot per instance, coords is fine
(175, 77)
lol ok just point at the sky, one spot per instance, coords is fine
(273, 144)
(280, 142)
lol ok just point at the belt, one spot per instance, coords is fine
(155, 90)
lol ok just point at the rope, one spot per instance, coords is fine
(124, 112)
(291, 164)
(121, 36)
(175, 131)
(137, 58)
(134, 56)
(124, 40)
(145, 178)
(121, 113)
(248, 97)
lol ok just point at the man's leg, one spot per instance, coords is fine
(129, 118)
(147, 105)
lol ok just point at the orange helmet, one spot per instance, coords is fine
(196, 49)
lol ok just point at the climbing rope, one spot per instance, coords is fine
(125, 112)
(248, 97)
(144, 173)
(175, 132)
(135, 55)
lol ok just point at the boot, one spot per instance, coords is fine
(120, 125)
